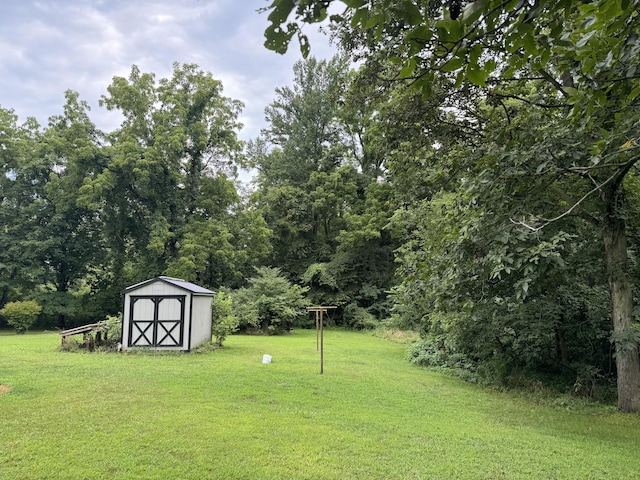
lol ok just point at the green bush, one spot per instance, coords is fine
(271, 304)
(224, 321)
(111, 331)
(21, 315)
(427, 354)
(359, 318)
(71, 345)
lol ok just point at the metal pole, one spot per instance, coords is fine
(321, 344)
(317, 327)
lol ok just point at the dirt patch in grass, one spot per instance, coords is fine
(4, 388)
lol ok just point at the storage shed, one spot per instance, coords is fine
(166, 313)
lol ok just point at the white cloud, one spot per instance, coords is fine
(49, 47)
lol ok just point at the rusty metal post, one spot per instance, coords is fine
(319, 311)
(321, 343)
(317, 330)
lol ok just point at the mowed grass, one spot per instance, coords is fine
(225, 415)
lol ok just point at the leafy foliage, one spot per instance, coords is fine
(224, 321)
(270, 304)
(21, 315)
(112, 331)
(319, 168)
(578, 61)
(86, 213)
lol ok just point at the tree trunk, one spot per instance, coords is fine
(561, 342)
(626, 347)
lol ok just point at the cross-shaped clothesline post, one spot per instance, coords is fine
(320, 311)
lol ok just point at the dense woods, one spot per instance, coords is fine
(473, 178)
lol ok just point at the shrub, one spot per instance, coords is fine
(111, 330)
(359, 318)
(271, 303)
(224, 321)
(21, 315)
(71, 345)
(427, 354)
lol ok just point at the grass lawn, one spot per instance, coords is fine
(225, 415)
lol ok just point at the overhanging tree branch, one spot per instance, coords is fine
(547, 222)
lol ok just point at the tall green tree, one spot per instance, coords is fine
(20, 175)
(318, 162)
(58, 241)
(167, 193)
(302, 166)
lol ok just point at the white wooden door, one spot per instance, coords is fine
(156, 321)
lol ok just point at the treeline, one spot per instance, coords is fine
(399, 208)
(85, 213)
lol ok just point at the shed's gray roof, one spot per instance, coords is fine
(183, 284)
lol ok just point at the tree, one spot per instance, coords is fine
(224, 321)
(318, 161)
(587, 51)
(304, 182)
(18, 173)
(51, 242)
(166, 193)
(68, 241)
(271, 303)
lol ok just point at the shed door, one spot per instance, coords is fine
(156, 321)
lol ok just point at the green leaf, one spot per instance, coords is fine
(411, 14)
(530, 44)
(585, 39)
(408, 70)
(476, 74)
(449, 30)
(422, 34)
(304, 44)
(474, 54)
(281, 12)
(374, 20)
(360, 17)
(455, 63)
(277, 39)
(634, 93)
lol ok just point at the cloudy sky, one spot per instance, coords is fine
(50, 46)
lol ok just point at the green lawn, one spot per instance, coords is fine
(225, 415)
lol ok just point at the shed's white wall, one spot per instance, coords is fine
(126, 311)
(201, 320)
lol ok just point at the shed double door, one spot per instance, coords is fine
(157, 321)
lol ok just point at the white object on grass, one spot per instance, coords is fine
(266, 358)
